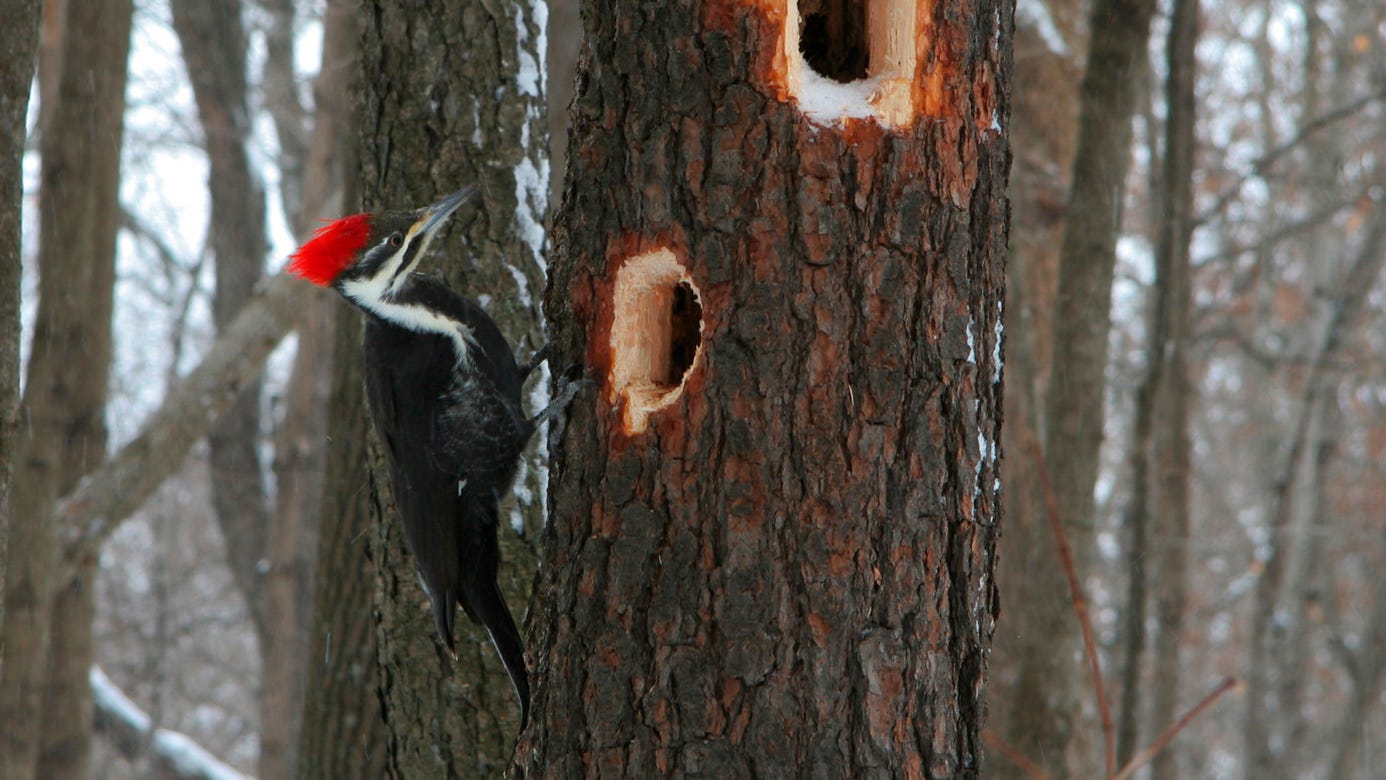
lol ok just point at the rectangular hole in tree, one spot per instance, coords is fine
(832, 38)
(656, 335)
(854, 59)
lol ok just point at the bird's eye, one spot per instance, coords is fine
(396, 240)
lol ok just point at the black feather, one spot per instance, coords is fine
(454, 431)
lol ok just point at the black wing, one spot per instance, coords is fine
(454, 431)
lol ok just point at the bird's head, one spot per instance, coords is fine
(367, 257)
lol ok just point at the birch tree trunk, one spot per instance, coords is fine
(774, 518)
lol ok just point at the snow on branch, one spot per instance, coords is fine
(121, 485)
(128, 729)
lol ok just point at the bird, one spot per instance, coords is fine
(443, 388)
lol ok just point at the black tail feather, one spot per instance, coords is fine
(443, 611)
(486, 604)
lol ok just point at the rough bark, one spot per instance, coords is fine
(1045, 704)
(565, 40)
(18, 53)
(213, 40)
(791, 566)
(64, 399)
(343, 736)
(451, 96)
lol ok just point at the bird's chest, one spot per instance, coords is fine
(483, 429)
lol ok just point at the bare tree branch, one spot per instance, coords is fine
(1272, 156)
(129, 730)
(1080, 605)
(1142, 758)
(92, 512)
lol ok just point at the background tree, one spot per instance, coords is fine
(1286, 435)
(1050, 43)
(343, 734)
(17, 60)
(792, 553)
(1044, 705)
(44, 700)
(213, 41)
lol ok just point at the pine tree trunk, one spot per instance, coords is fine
(450, 96)
(65, 393)
(773, 520)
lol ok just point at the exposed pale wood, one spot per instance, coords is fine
(789, 568)
(642, 333)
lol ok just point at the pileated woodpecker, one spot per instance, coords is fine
(444, 392)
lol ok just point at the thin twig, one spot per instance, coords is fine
(1265, 161)
(1142, 758)
(1080, 606)
(994, 741)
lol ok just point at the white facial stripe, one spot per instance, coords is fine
(367, 294)
(391, 269)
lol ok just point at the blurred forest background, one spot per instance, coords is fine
(1195, 381)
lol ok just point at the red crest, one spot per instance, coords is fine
(331, 249)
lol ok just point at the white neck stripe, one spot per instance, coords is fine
(366, 293)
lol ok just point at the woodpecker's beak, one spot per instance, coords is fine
(433, 217)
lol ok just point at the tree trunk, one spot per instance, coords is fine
(214, 45)
(310, 185)
(65, 395)
(451, 96)
(65, 747)
(772, 537)
(1280, 637)
(343, 736)
(1172, 445)
(1046, 701)
(1043, 131)
(1368, 673)
(18, 51)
